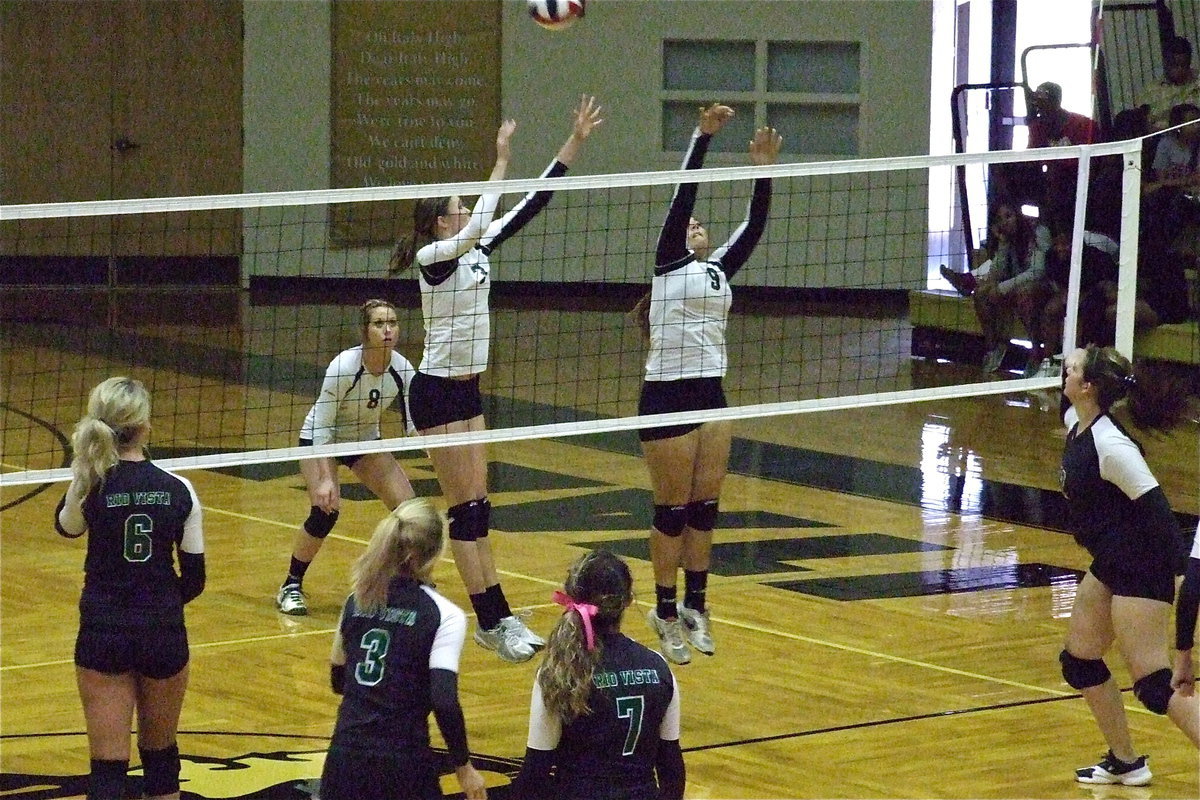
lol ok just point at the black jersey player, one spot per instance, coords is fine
(131, 653)
(604, 715)
(395, 661)
(1120, 515)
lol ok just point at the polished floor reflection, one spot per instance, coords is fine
(889, 594)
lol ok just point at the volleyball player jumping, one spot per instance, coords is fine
(451, 245)
(688, 307)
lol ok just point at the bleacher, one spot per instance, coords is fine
(945, 326)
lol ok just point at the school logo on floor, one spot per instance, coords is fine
(279, 775)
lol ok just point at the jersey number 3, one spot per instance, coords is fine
(375, 642)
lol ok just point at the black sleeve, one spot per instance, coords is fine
(535, 782)
(443, 693)
(337, 678)
(523, 211)
(1154, 512)
(672, 246)
(1186, 607)
(191, 575)
(671, 773)
(742, 243)
(58, 526)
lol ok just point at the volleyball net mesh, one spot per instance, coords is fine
(823, 316)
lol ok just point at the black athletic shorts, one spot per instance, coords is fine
(345, 461)
(154, 651)
(1135, 568)
(689, 394)
(434, 401)
(358, 775)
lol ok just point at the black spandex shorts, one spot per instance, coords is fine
(689, 394)
(1131, 570)
(355, 775)
(434, 401)
(345, 461)
(153, 651)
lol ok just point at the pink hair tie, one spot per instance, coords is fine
(586, 612)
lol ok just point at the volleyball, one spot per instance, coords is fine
(555, 14)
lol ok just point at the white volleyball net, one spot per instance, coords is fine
(230, 308)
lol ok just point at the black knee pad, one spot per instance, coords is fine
(670, 520)
(1154, 690)
(319, 523)
(1083, 673)
(107, 779)
(702, 515)
(160, 770)
(469, 521)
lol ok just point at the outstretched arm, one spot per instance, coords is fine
(454, 246)
(764, 149)
(586, 119)
(1186, 607)
(672, 240)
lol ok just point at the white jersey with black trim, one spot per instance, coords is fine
(689, 307)
(690, 298)
(455, 281)
(352, 399)
(458, 326)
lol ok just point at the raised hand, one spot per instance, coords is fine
(587, 117)
(764, 147)
(503, 139)
(714, 117)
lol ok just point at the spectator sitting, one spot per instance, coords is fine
(1169, 208)
(1098, 269)
(1106, 183)
(1053, 126)
(1015, 284)
(1175, 158)
(1180, 84)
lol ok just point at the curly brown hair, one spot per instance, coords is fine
(603, 580)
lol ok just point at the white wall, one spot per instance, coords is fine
(613, 53)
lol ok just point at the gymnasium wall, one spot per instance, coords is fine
(615, 53)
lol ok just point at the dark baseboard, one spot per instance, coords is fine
(127, 271)
(583, 296)
(119, 308)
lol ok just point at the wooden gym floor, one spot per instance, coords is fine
(890, 592)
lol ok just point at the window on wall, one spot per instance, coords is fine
(808, 91)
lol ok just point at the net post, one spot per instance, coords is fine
(1127, 264)
(1082, 180)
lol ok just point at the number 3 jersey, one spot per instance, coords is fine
(389, 654)
(135, 521)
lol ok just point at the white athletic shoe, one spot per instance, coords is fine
(527, 635)
(670, 638)
(291, 600)
(696, 627)
(507, 640)
(1112, 770)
